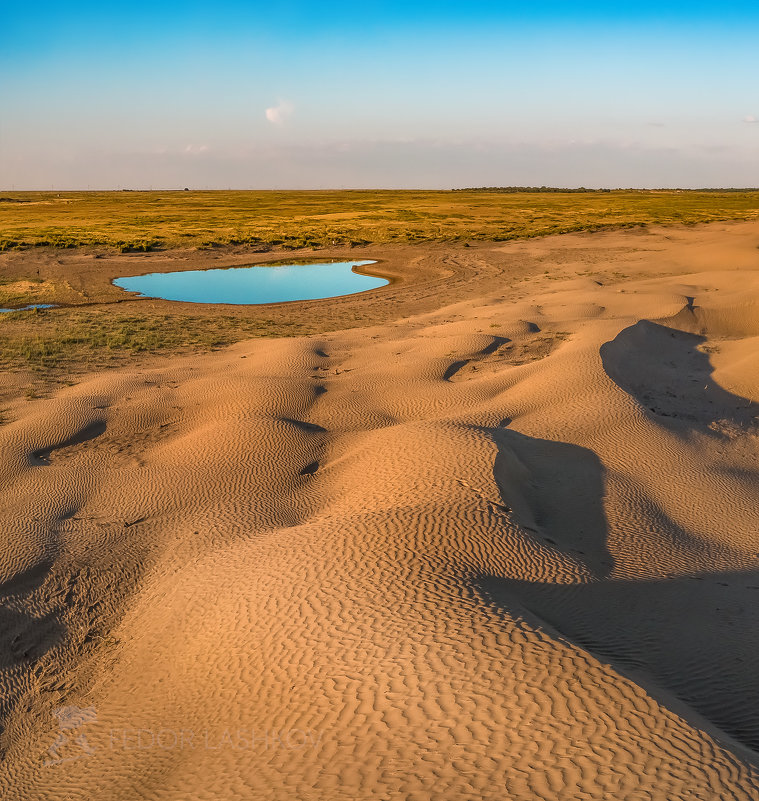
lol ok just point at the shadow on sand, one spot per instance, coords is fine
(668, 372)
(695, 637)
(24, 637)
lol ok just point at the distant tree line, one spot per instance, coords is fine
(514, 190)
(531, 189)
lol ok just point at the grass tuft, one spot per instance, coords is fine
(57, 339)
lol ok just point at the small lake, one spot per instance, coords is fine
(258, 284)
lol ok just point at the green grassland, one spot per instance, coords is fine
(142, 221)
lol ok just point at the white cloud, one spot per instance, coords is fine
(194, 150)
(279, 113)
(750, 118)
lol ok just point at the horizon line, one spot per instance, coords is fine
(494, 189)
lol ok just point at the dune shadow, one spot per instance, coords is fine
(89, 432)
(554, 491)
(665, 370)
(24, 637)
(24, 640)
(454, 368)
(695, 637)
(497, 342)
(303, 425)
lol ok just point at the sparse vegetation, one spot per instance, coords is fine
(59, 339)
(22, 292)
(147, 221)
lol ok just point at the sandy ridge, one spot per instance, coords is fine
(506, 548)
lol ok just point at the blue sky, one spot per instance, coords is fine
(390, 94)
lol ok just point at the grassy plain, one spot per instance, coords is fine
(47, 237)
(142, 221)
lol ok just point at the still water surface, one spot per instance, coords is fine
(29, 308)
(259, 284)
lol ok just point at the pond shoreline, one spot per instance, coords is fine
(270, 283)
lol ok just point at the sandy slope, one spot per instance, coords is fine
(507, 549)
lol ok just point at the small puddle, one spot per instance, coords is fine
(29, 308)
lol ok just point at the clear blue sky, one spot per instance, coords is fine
(388, 94)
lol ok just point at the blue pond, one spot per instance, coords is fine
(260, 284)
(29, 308)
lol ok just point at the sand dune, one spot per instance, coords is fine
(503, 549)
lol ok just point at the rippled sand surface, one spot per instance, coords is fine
(504, 549)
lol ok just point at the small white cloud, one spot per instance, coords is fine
(750, 118)
(194, 150)
(279, 113)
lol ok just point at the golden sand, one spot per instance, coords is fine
(503, 549)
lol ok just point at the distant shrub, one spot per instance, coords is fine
(139, 246)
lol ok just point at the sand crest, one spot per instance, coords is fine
(503, 549)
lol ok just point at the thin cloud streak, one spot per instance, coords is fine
(378, 164)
